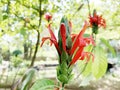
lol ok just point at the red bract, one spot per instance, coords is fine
(76, 51)
(63, 35)
(97, 20)
(48, 16)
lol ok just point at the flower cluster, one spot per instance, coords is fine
(96, 21)
(70, 47)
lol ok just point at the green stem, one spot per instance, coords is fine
(89, 7)
(62, 86)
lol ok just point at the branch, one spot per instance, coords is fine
(38, 36)
(89, 7)
(27, 6)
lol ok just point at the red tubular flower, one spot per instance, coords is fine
(77, 55)
(75, 44)
(63, 35)
(80, 54)
(79, 45)
(48, 16)
(73, 36)
(86, 55)
(52, 39)
(97, 20)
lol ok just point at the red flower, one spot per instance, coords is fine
(78, 43)
(97, 20)
(52, 39)
(48, 16)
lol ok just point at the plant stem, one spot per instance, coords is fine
(88, 7)
(62, 86)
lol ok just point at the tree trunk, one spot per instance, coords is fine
(30, 54)
(38, 36)
(26, 51)
(36, 48)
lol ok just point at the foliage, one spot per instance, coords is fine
(16, 61)
(27, 80)
(43, 84)
(99, 65)
(16, 52)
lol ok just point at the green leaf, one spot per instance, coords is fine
(86, 68)
(99, 65)
(70, 77)
(69, 42)
(5, 16)
(89, 48)
(63, 78)
(27, 79)
(23, 31)
(86, 35)
(106, 43)
(43, 84)
(63, 68)
(58, 70)
(64, 56)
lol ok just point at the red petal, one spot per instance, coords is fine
(51, 33)
(77, 55)
(52, 41)
(43, 40)
(75, 45)
(87, 55)
(63, 35)
(89, 40)
(73, 36)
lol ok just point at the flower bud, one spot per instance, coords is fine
(48, 16)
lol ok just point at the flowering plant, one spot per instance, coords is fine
(70, 48)
(96, 21)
